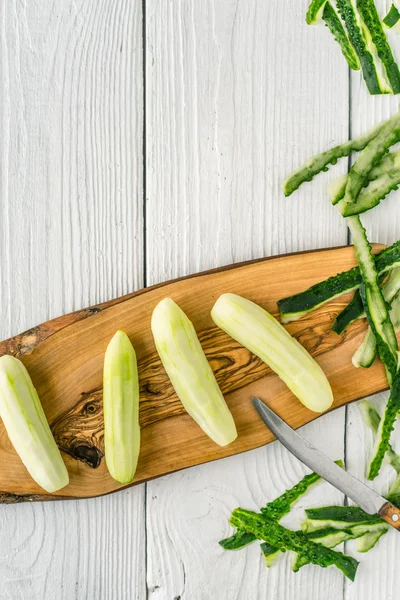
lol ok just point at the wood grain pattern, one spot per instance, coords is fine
(66, 368)
(71, 235)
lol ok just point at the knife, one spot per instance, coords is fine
(361, 494)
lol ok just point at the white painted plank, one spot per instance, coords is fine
(376, 577)
(238, 94)
(70, 236)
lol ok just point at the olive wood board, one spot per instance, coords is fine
(65, 360)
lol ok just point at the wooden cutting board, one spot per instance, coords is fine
(65, 360)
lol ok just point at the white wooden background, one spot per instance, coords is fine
(140, 142)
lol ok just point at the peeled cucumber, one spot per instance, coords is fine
(121, 409)
(190, 373)
(27, 426)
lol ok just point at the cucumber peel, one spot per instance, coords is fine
(374, 303)
(361, 45)
(264, 336)
(366, 353)
(320, 162)
(276, 509)
(382, 179)
(334, 24)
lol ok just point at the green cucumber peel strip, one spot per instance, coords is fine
(366, 353)
(388, 135)
(385, 428)
(294, 307)
(334, 24)
(392, 17)
(284, 539)
(375, 306)
(314, 12)
(320, 162)
(270, 553)
(338, 517)
(383, 179)
(360, 42)
(369, 14)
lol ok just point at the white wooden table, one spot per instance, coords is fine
(141, 142)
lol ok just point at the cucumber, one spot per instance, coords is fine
(298, 305)
(278, 536)
(190, 373)
(371, 19)
(262, 334)
(368, 540)
(335, 26)
(320, 162)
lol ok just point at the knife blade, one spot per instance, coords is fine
(366, 498)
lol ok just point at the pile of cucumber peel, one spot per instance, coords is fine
(359, 31)
(323, 528)
(376, 280)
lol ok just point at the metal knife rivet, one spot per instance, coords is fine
(395, 517)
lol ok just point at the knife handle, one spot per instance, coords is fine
(391, 514)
